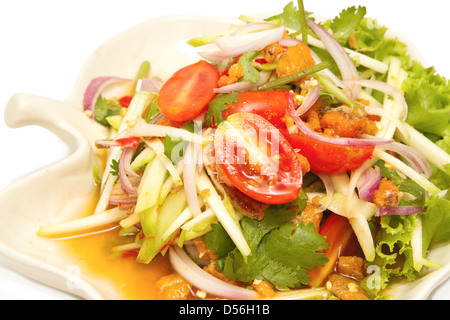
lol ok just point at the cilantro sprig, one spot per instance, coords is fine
(282, 252)
(105, 108)
(218, 105)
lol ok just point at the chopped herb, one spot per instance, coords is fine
(217, 106)
(174, 148)
(153, 110)
(282, 252)
(115, 167)
(95, 175)
(250, 72)
(106, 108)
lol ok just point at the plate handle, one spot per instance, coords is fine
(63, 119)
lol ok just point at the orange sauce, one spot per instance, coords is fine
(133, 280)
(92, 254)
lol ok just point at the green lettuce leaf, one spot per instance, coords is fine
(436, 222)
(428, 98)
(393, 244)
(441, 179)
(250, 72)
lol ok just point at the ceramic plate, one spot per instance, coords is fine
(61, 191)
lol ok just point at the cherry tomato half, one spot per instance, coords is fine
(188, 91)
(130, 142)
(326, 157)
(323, 157)
(125, 101)
(271, 105)
(257, 159)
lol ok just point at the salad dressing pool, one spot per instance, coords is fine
(133, 280)
(91, 255)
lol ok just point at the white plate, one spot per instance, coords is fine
(43, 196)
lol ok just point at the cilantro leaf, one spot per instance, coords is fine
(153, 110)
(192, 126)
(290, 17)
(295, 248)
(347, 21)
(217, 106)
(282, 253)
(283, 257)
(300, 202)
(219, 240)
(115, 167)
(370, 37)
(105, 108)
(250, 72)
(174, 148)
(255, 230)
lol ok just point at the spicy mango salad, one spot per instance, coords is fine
(297, 158)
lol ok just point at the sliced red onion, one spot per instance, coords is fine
(189, 172)
(245, 85)
(124, 168)
(414, 158)
(309, 100)
(329, 189)
(120, 197)
(231, 42)
(129, 157)
(404, 210)
(368, 183)
(107, 143)
(202, 280)
(288, 42)
(122, 201)
(156, 119)
(253, 27)
(237, 46)
(95, 88)
(351, 142)
(150, 85)
(385, 88)
(235, 87)
(343, 61)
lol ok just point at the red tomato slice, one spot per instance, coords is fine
(257, 159)
(131, 142)
(326, 157)
(271, 105)
(343, 242)
(125, 101)
(323, 157)
(188, 91)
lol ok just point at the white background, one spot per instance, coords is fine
(44, 43)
